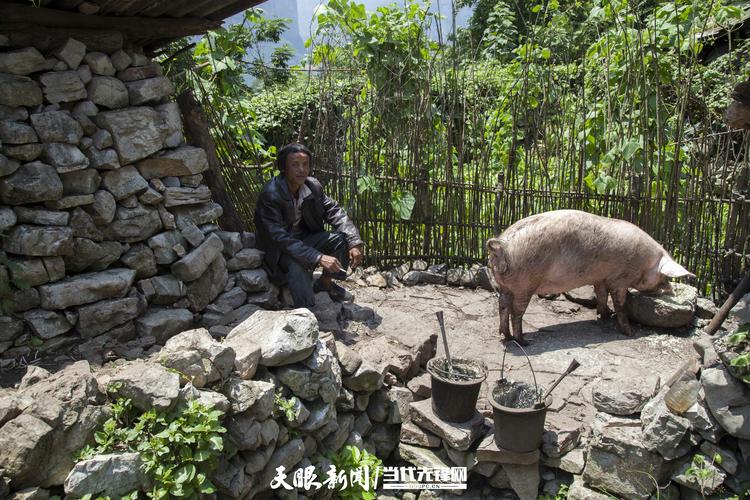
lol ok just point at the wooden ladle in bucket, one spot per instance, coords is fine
(441, 322)
(571, 368)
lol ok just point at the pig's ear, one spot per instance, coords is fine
(496, 255)
(669, 267)
(493, 245)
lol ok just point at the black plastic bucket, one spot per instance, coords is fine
(519, 429)
(455, 400)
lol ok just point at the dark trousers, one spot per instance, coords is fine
(300, 280)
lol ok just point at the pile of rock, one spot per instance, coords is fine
(646, 434)
(336, 398)
(418, 272)
(107, 221)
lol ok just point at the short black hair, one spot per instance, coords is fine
(294, 147)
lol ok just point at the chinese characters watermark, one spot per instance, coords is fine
(393, 478)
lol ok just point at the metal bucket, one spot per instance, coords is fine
(519, 429)
(455, 400)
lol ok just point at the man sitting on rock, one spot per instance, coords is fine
(289, 221)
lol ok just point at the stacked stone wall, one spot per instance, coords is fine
(107, 223)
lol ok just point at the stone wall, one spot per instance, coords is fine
(338, 399)
(107, 221)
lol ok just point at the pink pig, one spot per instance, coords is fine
(557, 251)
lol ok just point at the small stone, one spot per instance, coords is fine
(120, 60)
(625, 397)
(102, 139)
(57, 126)
(18, 91)
(64, 157)
(99, 63)
(103, 160)
(79, 182)
(149, 91)
(163, 323)
(41, 217)
(23, 152)
(22, 61)
(457, 435)
(72, 52)
(108, 92)
(17, 133)
(62, 86)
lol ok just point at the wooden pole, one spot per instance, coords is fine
(196, 128)
(733, 298)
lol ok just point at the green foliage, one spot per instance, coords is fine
(561, 494)
(285, 406)
(350, 458)
(180, 448)
(702, 471)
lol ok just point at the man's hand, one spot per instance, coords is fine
(355, 256)
(330, 264)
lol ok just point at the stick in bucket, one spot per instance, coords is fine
(571, 368)
(441, 322)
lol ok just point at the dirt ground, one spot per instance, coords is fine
(557, 330)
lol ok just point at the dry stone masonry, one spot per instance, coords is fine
(107, 223)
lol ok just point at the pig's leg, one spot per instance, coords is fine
(503, 305)
(519, 307)
(618, 297)
(600, 289)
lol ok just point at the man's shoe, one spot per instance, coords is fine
(336, 292)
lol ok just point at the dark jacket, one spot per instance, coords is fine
(274, 218)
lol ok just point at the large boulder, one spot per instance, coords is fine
(31, 183)
(186, 160)
(665, 311)
(136, 132)
(285, 337)
(99, 317)
(317, 377)
(148, 385)
(86, 288)
(163, 323)
(619, 462)
(728, 399)
(664, 431)
(26, 443)
(197, 357)
(115, 474)
(624, 397)
(39, 241)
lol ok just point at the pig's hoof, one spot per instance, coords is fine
(522, 341)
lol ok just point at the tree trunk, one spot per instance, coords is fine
(197, 131)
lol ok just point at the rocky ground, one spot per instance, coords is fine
(558, 331)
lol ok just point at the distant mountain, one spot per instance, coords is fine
(302, 25)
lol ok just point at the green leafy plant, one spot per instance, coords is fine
(286, 407)
(180, 448)
(702, 471)
(562, 494)
(350, 458)
(740, 363)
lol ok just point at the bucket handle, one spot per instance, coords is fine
(533, 375)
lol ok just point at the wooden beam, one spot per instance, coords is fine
(197, 131)
(46, 39)
(193, 7)
(133, 27)
(232, 9)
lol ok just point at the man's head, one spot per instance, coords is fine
(294, 161)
